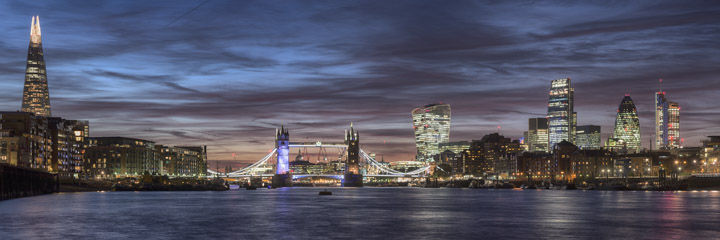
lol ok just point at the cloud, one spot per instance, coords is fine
(229, 73)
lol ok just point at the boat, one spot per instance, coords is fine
(325, 192)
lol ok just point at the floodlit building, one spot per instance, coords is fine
(36, 97)
(627, 128)
(118, 157)
(68, 146)
(536, 138)
(561, 115)
(587, 137)
(667, 122)
(432, 127)
(182, 161)
(25, 140)
(455, 147)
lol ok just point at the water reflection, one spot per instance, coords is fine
(393, 213)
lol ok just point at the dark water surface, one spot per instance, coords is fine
(364, 213)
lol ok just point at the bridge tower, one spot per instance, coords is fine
(353, 178)
(283, 176)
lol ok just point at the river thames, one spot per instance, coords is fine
(364, 213)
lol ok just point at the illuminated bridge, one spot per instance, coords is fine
(355, 160)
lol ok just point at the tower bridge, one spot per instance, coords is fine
(351, 176)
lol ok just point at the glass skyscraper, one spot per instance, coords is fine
(561, 115)
(536, 137)
(36, 97)
(432, 127)
(627, 126)
(667, 122)
(588, 137)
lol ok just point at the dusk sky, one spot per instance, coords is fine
(227, 73)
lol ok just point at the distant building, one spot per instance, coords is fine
(561, 115)
(432, 127)
(587, 137)
(626, 136)
(562, 166)
(36, 97)
(494, 156)
(182, 161)
(667, 122)
(536, 138)
(455, 147)
(711, 154)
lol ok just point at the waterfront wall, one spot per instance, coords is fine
(18, 182)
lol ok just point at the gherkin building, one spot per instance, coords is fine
(627, 125)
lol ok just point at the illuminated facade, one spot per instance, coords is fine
(25, 140)
(536, 138)
(182, 161)
(561, 116)
(68, 146)
(282, 140)
(454, 147)
(119, 157)
(432, 127)
(627, 127)
(667, 122)
(36, 97)
(587, 137)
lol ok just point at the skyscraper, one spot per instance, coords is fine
(432, 127)
(537, 135)
(667, 122)
(561, 115)
(627, 126)
(36, 97)
(587, 137)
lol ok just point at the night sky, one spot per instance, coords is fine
(227, 73)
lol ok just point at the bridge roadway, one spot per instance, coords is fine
(336, 176)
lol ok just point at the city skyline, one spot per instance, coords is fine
(234, 108)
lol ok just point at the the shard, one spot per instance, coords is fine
(36, 97)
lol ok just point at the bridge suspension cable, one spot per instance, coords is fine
(382, 168)
(254, 165)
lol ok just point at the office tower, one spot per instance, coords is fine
(587, 137)
(561, 115)
(36, 97)
(667, 122)
(627, 126)
(432, 127)
(536, 137)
